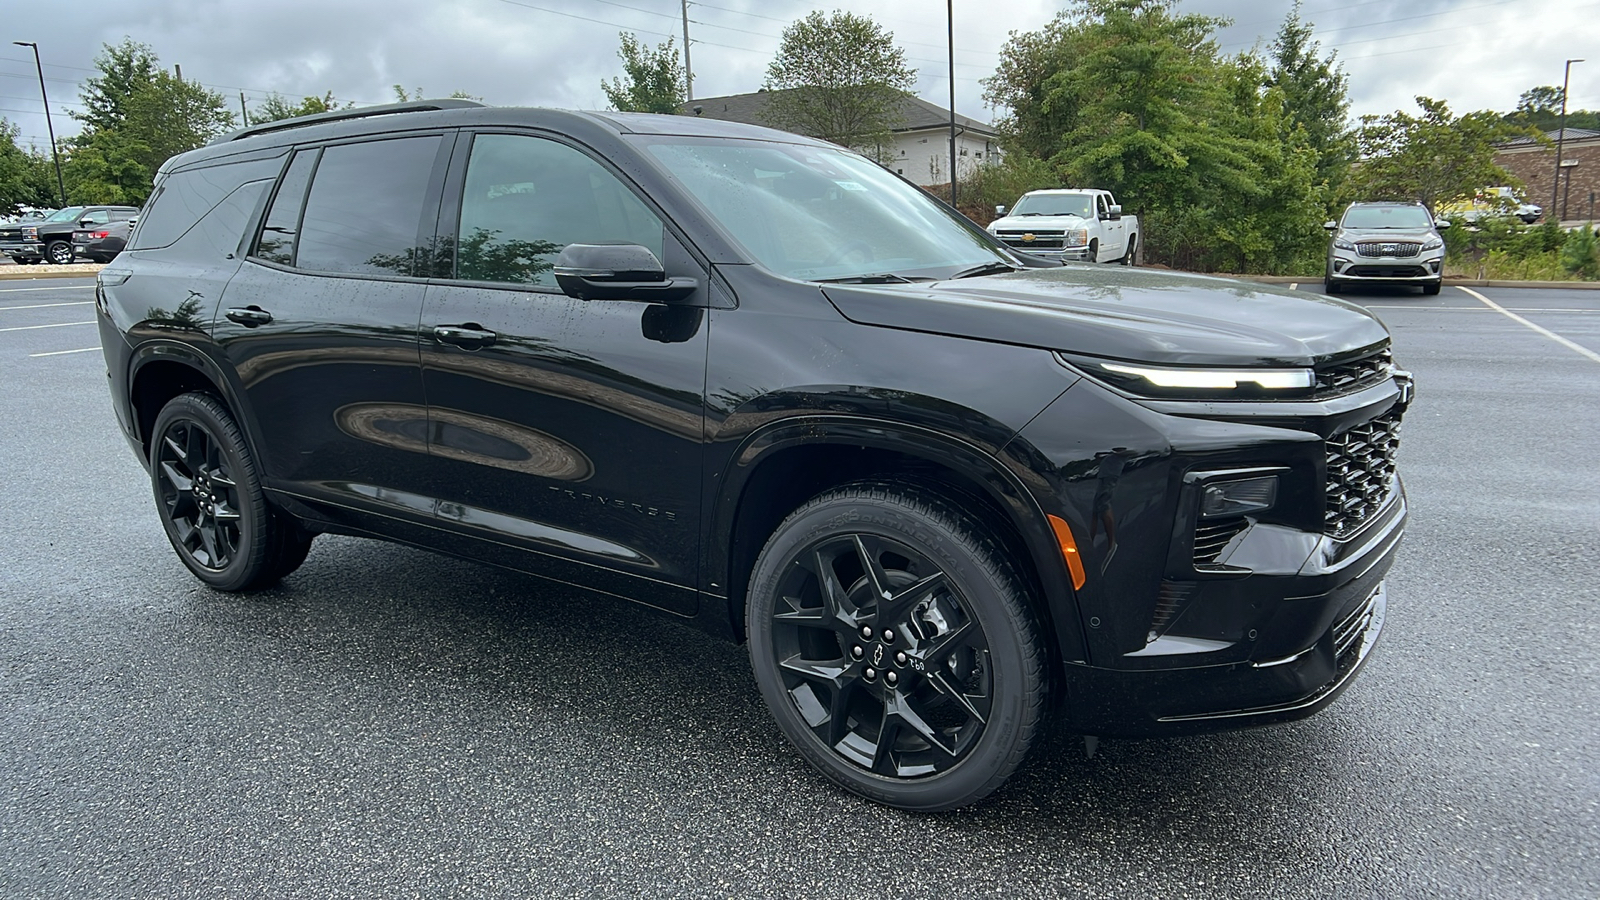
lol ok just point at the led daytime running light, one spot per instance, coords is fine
(1218, 379)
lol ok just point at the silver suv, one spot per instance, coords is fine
(1385, 243)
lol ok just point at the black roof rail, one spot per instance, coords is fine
(339, 115)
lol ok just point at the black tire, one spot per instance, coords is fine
(209, 497)
(59, 253)
(1133, 244)
(878, 606)
(1094, 250)
(1432, 289)
(1329, 286)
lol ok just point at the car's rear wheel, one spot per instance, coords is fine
(58, 252)
(1133, 244)
(891, 639)
(210, 500)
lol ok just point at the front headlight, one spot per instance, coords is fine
(1196, 383)
(1433, 243)
(30, 233)
(1343, 244)
(1078, 238)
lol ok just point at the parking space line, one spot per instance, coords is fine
(61, 352)
(1539, 328)
(74, 287)
(65, 324)
(48, 305)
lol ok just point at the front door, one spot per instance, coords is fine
(567, 430)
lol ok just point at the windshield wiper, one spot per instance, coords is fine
(879, 278)
(988, 268)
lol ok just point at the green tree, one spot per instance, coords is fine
(840, 78)
(136, 116)
(26, 178)
(1134, 97)
(1539, 108)
(656, 80)
(1433, 158)
(1316, 97)
(277, 108)
(1580, 253)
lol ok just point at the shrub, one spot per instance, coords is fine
(1580, 253)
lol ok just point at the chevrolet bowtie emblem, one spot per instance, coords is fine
(1028, 238)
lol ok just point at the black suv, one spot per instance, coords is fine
(755, 381)
(50, 239)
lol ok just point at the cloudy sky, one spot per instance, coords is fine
(1476, 54)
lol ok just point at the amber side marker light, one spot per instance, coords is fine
(1069, 551)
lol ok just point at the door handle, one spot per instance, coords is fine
(249, 316)
(470, 336)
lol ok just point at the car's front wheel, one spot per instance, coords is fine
(891, 638)
(210, 500)
(1432, 288)
(59, 252)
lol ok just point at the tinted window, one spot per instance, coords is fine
(283, 220)
(526, 198)
(1387, 217)
(97, 217)
(365, 207)
(184, 198)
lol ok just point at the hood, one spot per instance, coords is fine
(1138, 315)
(1027, 222)
(1387, 235)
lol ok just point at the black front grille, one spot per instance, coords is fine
(10, 235)
(1360, 473)
(1211, 538)
(1355, 374)
(1386, 271)
(1042, 240)
(1393, 250)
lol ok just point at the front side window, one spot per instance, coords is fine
(98, 217)
(526, 198)
(282, 225)
(365, 207)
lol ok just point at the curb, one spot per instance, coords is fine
(1448, 282)
(29, 273)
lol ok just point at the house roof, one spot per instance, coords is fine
(1572, 134)
(915, 114)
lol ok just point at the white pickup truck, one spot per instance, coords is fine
(1069, 223)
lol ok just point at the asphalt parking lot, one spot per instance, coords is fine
(390, 723)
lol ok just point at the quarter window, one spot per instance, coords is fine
(365, 207)
(526, 198)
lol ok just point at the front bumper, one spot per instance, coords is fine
(23, 249)
(1348, 268)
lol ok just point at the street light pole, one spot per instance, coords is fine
(1561, 136)
(60, 184)
(950, 27)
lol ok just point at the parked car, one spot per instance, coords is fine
(755, 382)
(102, 243)
(1069, 223)
(51, 238)
(1385, 243)
(11, 232)
(1496, 202)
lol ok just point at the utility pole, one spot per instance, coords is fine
(61, 184)
(244, 111)
(1561, 136)
(688, 73)
(950, 27)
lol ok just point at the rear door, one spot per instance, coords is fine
(567, 432)
(320, 324)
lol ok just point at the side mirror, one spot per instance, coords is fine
(617, 272)
(1330, 226)
(1000, 210)
(1442, 224)
(1115, 212)
(85, 223)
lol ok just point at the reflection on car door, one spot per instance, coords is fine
(320, 324)
(564, 429)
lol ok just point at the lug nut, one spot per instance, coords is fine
(866, 632)
(888, 636)
(900, 658)
(891, 677)
(857, 652)
(871, 673)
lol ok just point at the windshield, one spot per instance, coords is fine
(1080, 205)
(66, 215)
(1409, 217)
(818, 214)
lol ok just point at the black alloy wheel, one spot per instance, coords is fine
(210, 499)
(59, 253)
(891, 640)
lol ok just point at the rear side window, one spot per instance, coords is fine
(183, 199)
(282, 224)
(365, 207)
